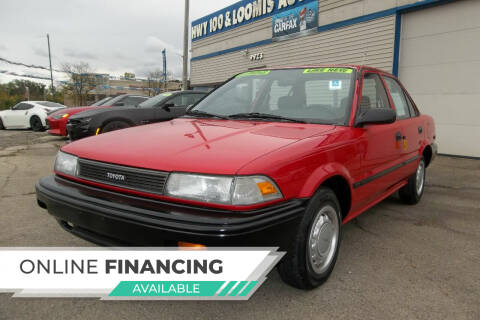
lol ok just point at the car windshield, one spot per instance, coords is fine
(114, 100)
(101, 102)
(152, 102)
(316, 95)
(49, 104)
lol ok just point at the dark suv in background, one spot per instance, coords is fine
(165, 106)
(57, 122)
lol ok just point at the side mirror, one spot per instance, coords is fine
(119, 104)
(167, 106)
(376, 116)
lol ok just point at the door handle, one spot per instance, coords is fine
(420, 130)
(398, 136)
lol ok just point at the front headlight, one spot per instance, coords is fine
(245, 190)
(61, 116)
(66, 163)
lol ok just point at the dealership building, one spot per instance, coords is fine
(433, 46)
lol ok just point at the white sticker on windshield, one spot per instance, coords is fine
(335, 85)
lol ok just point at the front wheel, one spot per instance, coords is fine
(1, 125)
(311, 259)
(115, 125)
(36, 124)
(413, 191)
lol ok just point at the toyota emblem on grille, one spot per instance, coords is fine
(116, 176)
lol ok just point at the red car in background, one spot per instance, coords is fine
(57, 121)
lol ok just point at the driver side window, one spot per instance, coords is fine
(373, 93)
(176, 101)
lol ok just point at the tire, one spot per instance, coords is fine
(1, 125)
(115, 125)
(412, 193)
(304, 267)
(36, 124)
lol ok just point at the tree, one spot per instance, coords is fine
(81, 81)
(15, 91)
(155, 79)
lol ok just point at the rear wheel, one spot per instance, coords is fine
(115, 125)
(1, 125)
(413, 191)
(36, 124)
(311, 259)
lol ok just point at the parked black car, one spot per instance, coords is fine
(163, 107)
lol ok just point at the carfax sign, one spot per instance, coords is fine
(296, 21)
(247, 11)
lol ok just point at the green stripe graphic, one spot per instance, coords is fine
(238, 288)
(248, 288)
(227, 288)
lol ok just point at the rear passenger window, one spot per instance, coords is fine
(413, 111)
(24, 106)
(398, 97)
(373, 93)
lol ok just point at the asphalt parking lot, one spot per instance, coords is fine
(396, 261)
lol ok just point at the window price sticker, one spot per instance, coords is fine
(335, 85)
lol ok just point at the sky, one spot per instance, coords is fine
(113, 37)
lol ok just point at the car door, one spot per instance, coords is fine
(379, 144)
(7, 116)
(410, 125)
(17, 115)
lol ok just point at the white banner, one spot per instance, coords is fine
(135, 273)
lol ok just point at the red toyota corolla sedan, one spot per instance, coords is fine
(274, 158)
(57, 121)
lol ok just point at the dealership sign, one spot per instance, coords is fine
(136, 274)
(296, 21)
(244, 12)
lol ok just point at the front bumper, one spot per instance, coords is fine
(113, 219)
(57, 127)
(78, 131)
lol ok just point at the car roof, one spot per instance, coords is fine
(33, 102)
(183, 91)
(129, 95)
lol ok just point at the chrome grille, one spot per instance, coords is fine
(125, 177)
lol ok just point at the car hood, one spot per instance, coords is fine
(75, 110)
(193, 145)
(96, 111)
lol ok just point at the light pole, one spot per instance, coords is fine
(185, 46)
(50, 59)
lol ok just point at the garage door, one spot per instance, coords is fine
(440, 67)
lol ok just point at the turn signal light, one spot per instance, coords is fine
(188, 245)
(266, 188)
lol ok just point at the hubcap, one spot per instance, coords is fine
(420, 177)
(323, 239)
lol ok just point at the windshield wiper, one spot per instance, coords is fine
(198, 113)
(258, 115)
